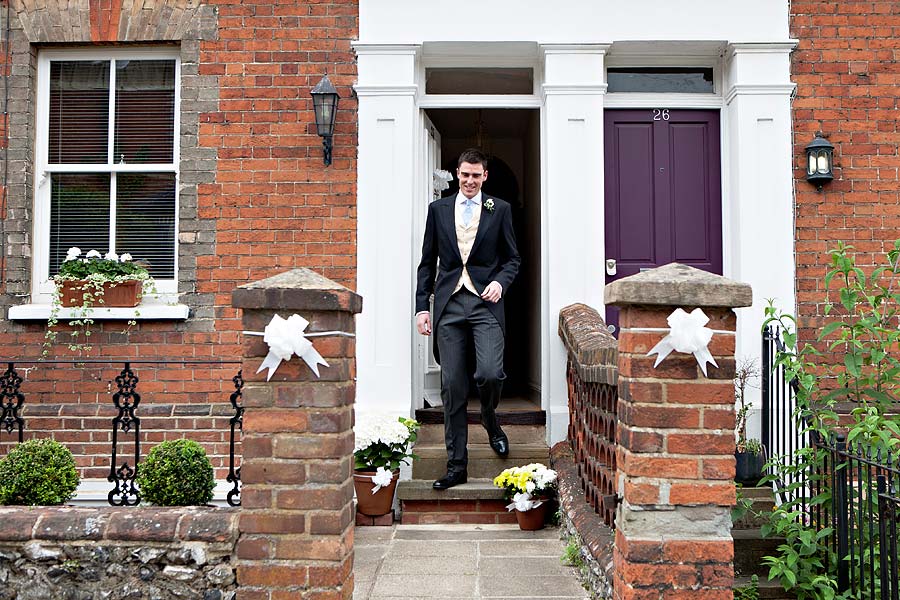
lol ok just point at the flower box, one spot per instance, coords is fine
(115, 294)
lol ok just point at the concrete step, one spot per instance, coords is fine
(474, 502)
(431, 463)
(433, 434)
(768, 590)
(749, 549)
(762, 502)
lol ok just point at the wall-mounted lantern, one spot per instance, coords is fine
(819, 161)
(325, 101)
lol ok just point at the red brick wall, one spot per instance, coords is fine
(845, 67)
(271, 205)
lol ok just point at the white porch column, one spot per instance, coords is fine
(385, 194)
(572, 208)
(758, 218)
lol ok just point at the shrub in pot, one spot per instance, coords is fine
(176, 473)
(38, 472)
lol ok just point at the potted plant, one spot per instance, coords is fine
(749, 454)
(530, 488)
(91, 281)
(382, 444)
(38, 472)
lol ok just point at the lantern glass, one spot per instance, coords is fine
(325, 106)
(811, 167)
(822, 162)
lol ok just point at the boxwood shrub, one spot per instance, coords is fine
(176, 473)
(38, 472)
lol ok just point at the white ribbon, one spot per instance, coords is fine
(522, 502)
(441, 179)
(687, 334)
(381, 478)
(286, 337)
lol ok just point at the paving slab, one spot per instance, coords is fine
(472, 562)
(425, 586)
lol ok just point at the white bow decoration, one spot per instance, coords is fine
(687, 334)
(286, 338)
(381, 478)
(522, 502)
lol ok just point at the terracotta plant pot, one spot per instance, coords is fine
(121, 294)
(379, 503)
(531, 520)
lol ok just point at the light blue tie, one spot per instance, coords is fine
(467, 212)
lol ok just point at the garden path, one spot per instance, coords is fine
(453, 562)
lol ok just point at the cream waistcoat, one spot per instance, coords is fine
(465, 237)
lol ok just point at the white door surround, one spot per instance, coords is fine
(752, 91)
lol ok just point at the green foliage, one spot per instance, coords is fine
(104, 269)
(863, 370)
(749, 591)
(742, 506)
(38, 472)
(572, 554)
(176, 473)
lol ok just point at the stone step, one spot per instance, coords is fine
(483, 461)
(474, 502)
(511, 411)
(518, 434)
(749, 549)
(762, 502)
(768, 590)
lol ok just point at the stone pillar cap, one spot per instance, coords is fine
(300, 289)
(676, 284)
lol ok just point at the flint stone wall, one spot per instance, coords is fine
(64, 553)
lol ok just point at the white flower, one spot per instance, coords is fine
(72, 253)
(125, 257)
(372, 429)
(112, 256)
(489, 205)
(93, 254)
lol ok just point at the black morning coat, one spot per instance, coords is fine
(494, 257)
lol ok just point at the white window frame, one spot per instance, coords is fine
(42, 287)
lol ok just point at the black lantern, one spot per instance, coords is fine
(819, 161)
(325, 100)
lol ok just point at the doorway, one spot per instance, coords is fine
(511, 140)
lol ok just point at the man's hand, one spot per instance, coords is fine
(423, 323)
(492, 292)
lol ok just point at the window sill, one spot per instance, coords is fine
(143, 312)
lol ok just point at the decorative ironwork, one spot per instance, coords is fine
(126, 400)
(237, 423)
(11, 401)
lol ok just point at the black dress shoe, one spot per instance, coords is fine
(500, 444)
(449, 480)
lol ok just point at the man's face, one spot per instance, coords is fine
(471, 178)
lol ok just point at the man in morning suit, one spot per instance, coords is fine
(470, 247)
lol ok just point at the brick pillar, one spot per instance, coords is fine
(296, 522)
(676, 440)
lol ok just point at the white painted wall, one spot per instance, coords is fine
(417, 21)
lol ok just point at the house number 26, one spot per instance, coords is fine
(660, 114)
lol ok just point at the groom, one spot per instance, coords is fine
(472, 235)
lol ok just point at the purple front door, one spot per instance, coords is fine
(663, 191)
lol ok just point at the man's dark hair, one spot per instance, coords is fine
(473, 156)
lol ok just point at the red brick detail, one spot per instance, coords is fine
(421, 512)
(367, 521)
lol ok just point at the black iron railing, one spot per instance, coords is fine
(849, 488)
(126, 399)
